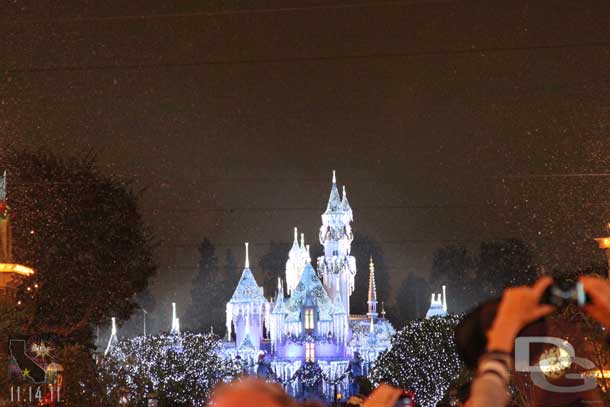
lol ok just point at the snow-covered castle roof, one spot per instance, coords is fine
(334, 201)
(310, 289)
(247, 290)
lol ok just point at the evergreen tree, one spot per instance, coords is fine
(209, 294)
(471, 280)
(412, 300)
(82, 232)
(453, 266)
(182, 369)
(423, 359)
(271, 266)
(81, 386)
(230, 268)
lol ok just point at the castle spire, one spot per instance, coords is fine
(372, 297)
(295, 250)
(334, 200)
(302, 241)
(294, 264)
(247, 262)
(337, 267)
(175, 320)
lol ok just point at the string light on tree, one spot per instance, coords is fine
(422, 358)
(184, 375)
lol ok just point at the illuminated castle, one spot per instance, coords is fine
(438, 305)
(9, 270)
(309, 319)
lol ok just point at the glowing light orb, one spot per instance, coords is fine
(554, 361)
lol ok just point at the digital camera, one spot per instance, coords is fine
(470, 334)
(562, 293)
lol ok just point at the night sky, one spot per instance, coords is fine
(449, 121)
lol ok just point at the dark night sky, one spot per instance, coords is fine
(447, 120)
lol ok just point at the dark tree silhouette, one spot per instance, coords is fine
(423, 359)
(82, 232)
(471, 279)
(453, 266)
(412, 300)
(271, 266)
(230, 268)
(210, 292)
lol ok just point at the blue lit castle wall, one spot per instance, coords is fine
(309, 318)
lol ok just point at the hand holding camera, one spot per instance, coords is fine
(494, 325)
(598, 293)
(519, 306)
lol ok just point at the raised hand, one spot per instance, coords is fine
(598, 290)
(519, 306)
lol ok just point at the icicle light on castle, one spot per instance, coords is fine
(309, 319)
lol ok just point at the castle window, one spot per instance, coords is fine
(310, 352)
(309, 321)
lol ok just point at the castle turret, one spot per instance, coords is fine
(372, 295)
(345, 206)
(175, 321)
(248, 309)
(304, 251)
(337, 267)
(294, 265)
(438, 305)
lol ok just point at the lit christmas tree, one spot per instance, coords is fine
(181, 368)
(422, 358)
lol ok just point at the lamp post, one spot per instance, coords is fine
(604, 243)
